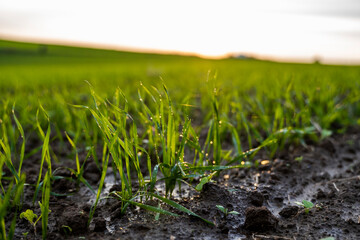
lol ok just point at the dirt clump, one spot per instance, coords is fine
(289, 211)
(92, 173)
(259, 219)
(74, 218)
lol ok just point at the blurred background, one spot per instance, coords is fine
(298, 31)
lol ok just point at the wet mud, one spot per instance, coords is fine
(327, 174)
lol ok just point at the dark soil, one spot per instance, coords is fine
(328, 175)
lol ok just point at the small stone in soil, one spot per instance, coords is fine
(259, 219)
(289, 211)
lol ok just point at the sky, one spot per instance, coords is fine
(288, 30)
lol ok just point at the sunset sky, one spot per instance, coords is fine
(296, 30)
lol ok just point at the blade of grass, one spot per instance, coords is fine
(76, 153)
(44, 157)
(44, 204)
(179, 207)
(22, 151)
(101, 183)
(153, 209)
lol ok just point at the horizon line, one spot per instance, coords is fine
(114, 47)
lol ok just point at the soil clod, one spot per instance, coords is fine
(214, 193)
(289, 211)
(259, 219)
(92, 174)
(75, 219)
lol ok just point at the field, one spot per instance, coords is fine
(118, 145)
